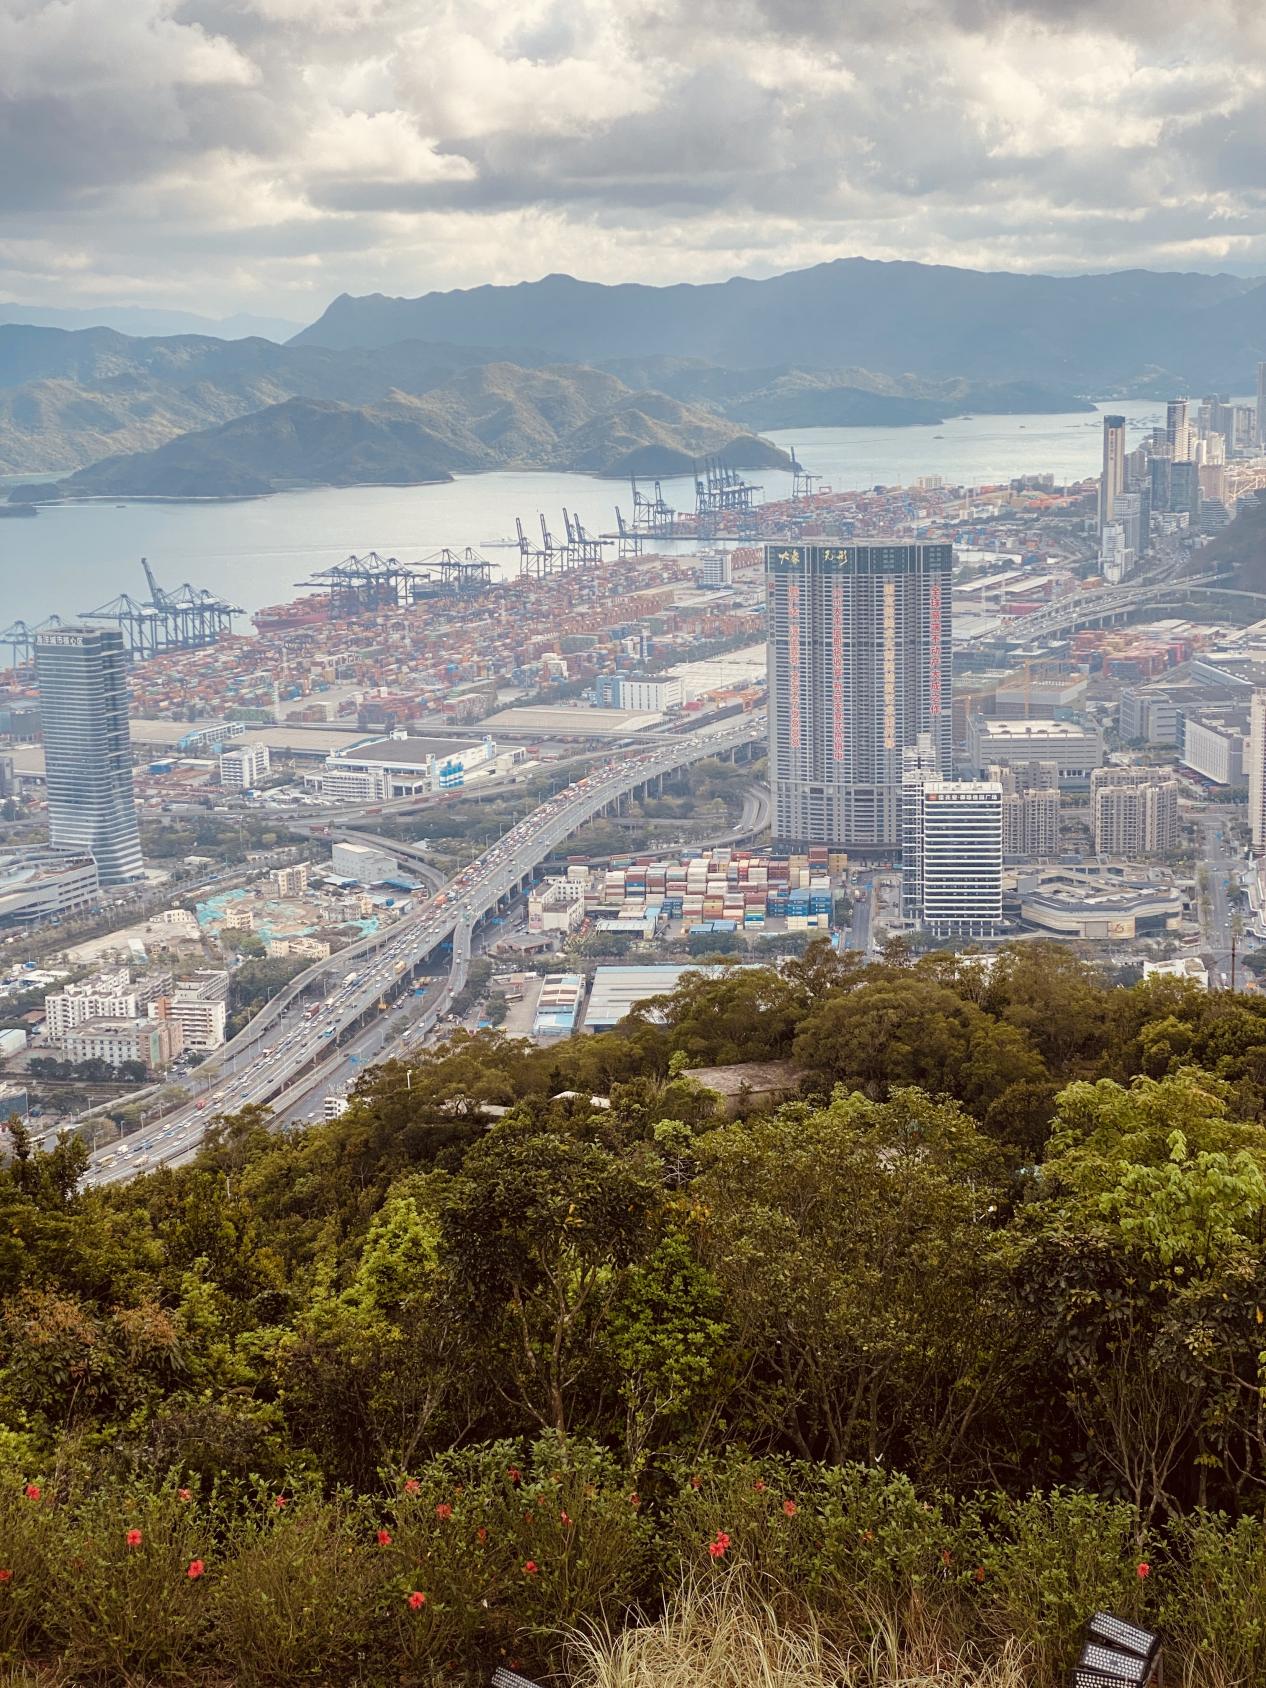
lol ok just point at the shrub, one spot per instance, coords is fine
(1215, 1613)
(299, 1590)
(122, 1602)
(1048, 1562)
(28, 1547)
(510, 1546)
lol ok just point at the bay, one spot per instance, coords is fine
(73, 558)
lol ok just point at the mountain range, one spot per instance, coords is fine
(496, 415)
(69, 400)
(568, 374)
(148, 320)
(1147, 332)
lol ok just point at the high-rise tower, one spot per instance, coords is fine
(1112, 478)
(859, 666)
(82, 675)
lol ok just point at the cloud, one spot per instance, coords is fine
(267, 154)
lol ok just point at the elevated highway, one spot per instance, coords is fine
(1122, 603)
(302, 1031)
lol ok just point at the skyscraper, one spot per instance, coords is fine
(960, 858)
(82, 676)
(859, 666)
(1112, 478)
(1256, 752)
(1261, 405)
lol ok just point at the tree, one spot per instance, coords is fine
(539, 1233)
(856, 1246)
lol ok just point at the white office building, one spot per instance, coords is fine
(959, 861)
(1257, 769)
(362, 862)
(1075, 747)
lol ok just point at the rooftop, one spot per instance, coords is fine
(410, 752)
(1020, 730)
(558, 721)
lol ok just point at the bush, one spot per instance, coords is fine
(1216, 1615)
(513, 1546)
(122, 1601)
(299, 1590)
(28, 1549)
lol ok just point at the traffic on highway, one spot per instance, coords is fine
(299, 1037)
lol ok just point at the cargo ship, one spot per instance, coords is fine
(296, 615)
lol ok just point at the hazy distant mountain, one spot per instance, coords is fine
(496, 416)
(1136, 329)
(139, 319)
(69, 399)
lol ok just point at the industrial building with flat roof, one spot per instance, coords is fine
(1075, 747)
(618, 990)
(558, 1006)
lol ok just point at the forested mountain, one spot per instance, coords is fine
(68, 400)
(495, 416)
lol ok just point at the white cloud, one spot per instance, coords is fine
(275, 152)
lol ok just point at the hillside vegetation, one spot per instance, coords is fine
(961, 1345)
(69, 400)
(494, 416)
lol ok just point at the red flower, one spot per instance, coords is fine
(1145, 1570)
(696, 1482)
(717, 1547)
(868, 1535)
(979, 1573)
(443, 1511)
(530, 1567)
(417, 1600)
(515, 1475)
(134, 1538)
(196, 1568)
(411, 1486)
(32, 1491)
(6, 1576)
(759, 1485)
(384, 1538)
(789, 1507)
(184, 1494)
(563, 1518)
(947, 1558)
(635, 1500)
(279, 1501)
(481, 1534)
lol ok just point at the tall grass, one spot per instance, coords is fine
(728, 1636)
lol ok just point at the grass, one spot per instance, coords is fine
(728, 1637)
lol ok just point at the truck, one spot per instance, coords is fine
(351, 978)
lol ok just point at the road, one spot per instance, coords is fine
(1221, 863)
(301, 1037)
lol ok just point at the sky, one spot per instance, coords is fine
(266, 155)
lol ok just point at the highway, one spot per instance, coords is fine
(301, 1038)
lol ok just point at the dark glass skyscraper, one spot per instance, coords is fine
(82, 675)
(859, 666)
